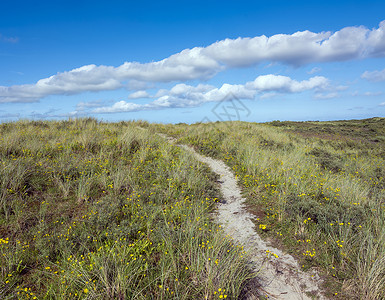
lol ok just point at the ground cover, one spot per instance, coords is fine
(92, 210)
(317, 189)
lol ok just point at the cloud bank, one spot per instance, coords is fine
(183, 95)
(202, 63)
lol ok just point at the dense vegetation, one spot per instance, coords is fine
(91, 210)
(317, 189)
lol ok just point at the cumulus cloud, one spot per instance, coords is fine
(202, 63)
(183, 95)
(285, 84)
(375, 76)
(185, 65)
(301, 47)
(138, 85)
(86, 78)
(120, 106)
(139, 94)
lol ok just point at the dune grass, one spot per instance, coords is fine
(92, 210)
(317, 189)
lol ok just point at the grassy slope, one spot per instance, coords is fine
(317, 189)
(107, 211)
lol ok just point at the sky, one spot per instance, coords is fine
(192, 61)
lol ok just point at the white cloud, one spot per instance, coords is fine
(139, 94)
(376, 41)
(185, 65)
(293, 49)
(268, 95)
(120, 106)
(182, 88)
(201, 63)
(183, 95)
(382, 104)
(138, 85)
(374, 76)
(86, 78)
(301, 47)
(285, 84)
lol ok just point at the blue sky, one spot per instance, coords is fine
(188, 61)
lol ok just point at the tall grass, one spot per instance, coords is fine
(90, 210)
(320, 198)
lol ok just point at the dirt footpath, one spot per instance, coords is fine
(279, 273)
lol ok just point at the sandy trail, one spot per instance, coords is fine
(280, 276)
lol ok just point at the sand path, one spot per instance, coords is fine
(279, 274)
